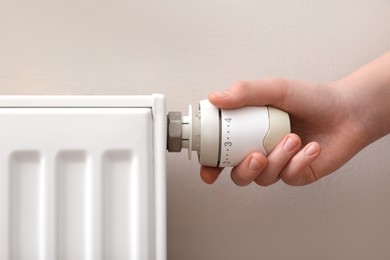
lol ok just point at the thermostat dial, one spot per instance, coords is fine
(224, 137)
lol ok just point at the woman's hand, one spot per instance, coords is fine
(326, 126)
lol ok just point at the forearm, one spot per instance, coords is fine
(368, 94)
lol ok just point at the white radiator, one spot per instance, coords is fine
(82, 177)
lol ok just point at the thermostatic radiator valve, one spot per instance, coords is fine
(224, 137)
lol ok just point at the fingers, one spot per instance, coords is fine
(299, 170)
(209, 174)
(241, 175)
(278, 159)
(256, 167)
(248, 169)
(244, 93)
(287, 162)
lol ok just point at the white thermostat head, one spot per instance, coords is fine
(224, 137)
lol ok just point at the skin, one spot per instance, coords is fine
(330, 123)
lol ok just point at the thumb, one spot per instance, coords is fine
(256, 93)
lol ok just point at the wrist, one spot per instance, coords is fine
(366, 105)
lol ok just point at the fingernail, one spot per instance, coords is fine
(255, 164)
(289, 144)
(311, 150)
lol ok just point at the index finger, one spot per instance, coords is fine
(209, 174)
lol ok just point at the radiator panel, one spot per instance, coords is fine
(71, 169)
(80, 183)
(25, 180)
(116, 168)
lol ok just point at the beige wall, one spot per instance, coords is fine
(184, 49)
